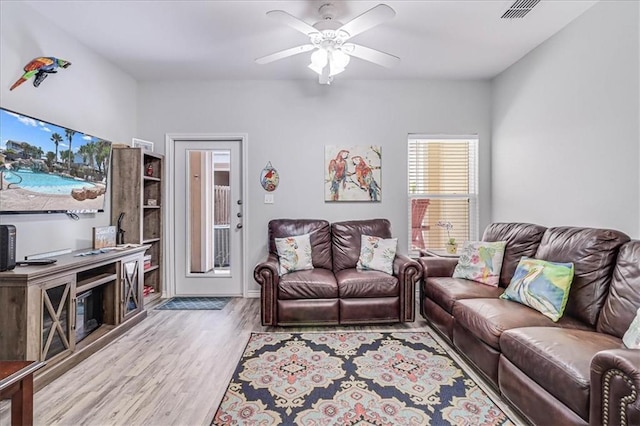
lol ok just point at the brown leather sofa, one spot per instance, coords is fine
(576, 371)
(334, 292)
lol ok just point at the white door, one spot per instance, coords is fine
(208, 210)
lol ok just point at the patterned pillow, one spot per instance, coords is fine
(481, 261)
(541, 285)
(631, 338)
(294, 253)
(377, 254)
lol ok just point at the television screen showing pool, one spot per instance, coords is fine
(45, 168)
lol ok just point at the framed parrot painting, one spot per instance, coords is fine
(353, 173)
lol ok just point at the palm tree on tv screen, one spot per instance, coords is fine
(51, 156)
(56, 138)
(69, 134)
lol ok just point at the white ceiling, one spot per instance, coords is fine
(161, 40)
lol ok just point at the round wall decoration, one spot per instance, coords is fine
(269, 178)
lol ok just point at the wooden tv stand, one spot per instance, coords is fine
(42, 305)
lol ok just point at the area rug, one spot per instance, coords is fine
(349, 378)
(194, 303)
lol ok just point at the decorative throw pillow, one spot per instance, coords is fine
(481, 261)
(294, 253)
(377, 253)
(631, 338)
(541, 285)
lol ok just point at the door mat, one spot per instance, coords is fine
(195, 303)
(399, 378)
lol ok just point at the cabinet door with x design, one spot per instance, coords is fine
(131, 290)
(57, 317)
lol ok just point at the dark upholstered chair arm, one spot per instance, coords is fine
(408, 272)
(615, 387)
(266, 274)
(437, 266)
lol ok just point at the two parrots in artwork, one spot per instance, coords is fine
(40, 68)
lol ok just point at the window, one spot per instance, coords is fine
(443, 186)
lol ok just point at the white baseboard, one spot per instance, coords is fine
(253, 294)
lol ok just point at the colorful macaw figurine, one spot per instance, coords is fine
(41, 68)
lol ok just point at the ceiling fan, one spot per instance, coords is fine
(328, 40)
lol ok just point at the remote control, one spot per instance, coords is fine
(35, 262)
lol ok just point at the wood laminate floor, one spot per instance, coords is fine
(171, 369)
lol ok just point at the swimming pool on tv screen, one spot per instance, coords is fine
(45, 183)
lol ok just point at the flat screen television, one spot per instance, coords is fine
(46, 168)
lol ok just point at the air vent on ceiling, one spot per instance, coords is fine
(519, 9)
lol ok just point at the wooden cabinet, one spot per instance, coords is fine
(137, 191)
(61, 313)
(131, 287)
(57, 325)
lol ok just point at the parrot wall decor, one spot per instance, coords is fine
(353, 173)
(40, 68)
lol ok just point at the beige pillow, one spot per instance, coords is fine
(377, 254)
(631, 338)
(294, 253)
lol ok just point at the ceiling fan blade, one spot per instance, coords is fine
(285, 53)
(292, 21)
(371, 55)
(369, 19)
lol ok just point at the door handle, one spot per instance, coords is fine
(239, 226)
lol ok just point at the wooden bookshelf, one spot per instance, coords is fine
(137, 190)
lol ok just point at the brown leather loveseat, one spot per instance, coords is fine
(575, 371)
(335, 292)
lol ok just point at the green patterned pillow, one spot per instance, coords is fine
(377, 253)
(481, 261)
(541, 285)
(294, 253)
(631, 338)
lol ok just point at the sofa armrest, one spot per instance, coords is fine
(266, 274)
(615, 387)
(437, 266)
(408, 272)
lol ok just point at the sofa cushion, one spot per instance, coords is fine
(541, 285)
(593, 253)
(320, 231)
(310, 284)
(345, 237)
(522, 240)
(377, 254)
(446, 291)
(487, 319)
(294, 253)
(481, 261)
(557, 359)
(624, 292)
(353, 283)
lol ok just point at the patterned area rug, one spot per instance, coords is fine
(363, 378)
(195, 303)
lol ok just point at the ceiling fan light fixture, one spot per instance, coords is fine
(328, 40)
(338, 61)
(319, 60)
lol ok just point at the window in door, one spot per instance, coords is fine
(443, 187)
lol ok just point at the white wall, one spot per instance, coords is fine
(290, 122)
(566, 126)
(91, 96)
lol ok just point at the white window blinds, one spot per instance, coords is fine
(443, 186)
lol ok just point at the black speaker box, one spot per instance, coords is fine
(7, 247)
